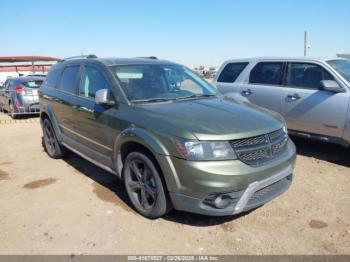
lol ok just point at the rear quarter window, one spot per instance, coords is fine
(52, 77)
(69, 78)
(231, 71)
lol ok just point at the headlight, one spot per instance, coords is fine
(285, 130)
(205, 150)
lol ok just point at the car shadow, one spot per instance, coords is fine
(324, 151)
(118, 195)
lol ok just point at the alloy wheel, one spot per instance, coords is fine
(141, 184)
(49, 139)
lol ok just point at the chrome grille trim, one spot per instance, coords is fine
(253, 141)
(258, 150)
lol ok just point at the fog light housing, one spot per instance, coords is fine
(222, 200)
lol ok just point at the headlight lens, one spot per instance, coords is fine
(205, 150)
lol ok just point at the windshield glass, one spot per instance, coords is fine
(161, 82)
(33, 84)
(342, 67)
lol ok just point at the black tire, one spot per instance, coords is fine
(12, 112)
(50, 142)
(145, 186)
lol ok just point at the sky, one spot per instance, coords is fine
(191, 32)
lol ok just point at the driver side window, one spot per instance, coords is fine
(92, 80)
(306, 75)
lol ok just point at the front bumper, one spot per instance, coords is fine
(191, 183)
(256, 194)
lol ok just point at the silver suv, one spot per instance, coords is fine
(311, 94)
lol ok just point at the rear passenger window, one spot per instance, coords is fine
(69, 78)
(269, 73)
(307, 75)
(52, 77)
(231, 71)
(92, 81)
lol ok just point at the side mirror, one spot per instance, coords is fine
(104, 97)
(331, 86)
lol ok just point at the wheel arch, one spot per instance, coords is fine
(46, 112)
(135, 139)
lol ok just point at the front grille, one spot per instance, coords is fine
(252, 141)
(258, 150)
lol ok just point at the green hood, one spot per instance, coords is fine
(208, 119)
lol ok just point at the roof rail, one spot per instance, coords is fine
(149, 57)
(78, 57)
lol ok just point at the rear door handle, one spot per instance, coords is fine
(247, 92)
(294, 97)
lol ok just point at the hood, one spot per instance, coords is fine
(209, 119)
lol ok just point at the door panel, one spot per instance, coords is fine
(264, 96)
(265, 85)
(93, 122)
(308, 109)
(315, 111)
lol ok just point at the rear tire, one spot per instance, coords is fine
(12, 112)
(50, 142)
(145, 186)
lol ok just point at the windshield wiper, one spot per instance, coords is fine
(197, 96)
(152, 100)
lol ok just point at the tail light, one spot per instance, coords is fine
(19, 89)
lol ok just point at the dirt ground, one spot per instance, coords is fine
(72, 207)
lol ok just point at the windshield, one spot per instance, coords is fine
(33, 84)
(342, 67)
(161, 82)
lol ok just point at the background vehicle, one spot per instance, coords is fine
(311, 94)
(19, 95)
(165, 131)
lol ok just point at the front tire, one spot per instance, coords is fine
(50, 142)
(144, 185)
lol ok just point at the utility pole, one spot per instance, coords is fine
(305, 43)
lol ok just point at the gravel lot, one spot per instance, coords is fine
(72, 207)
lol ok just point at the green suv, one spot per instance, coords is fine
(167, 133)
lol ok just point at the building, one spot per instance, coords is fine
(14, 66)
(344, 56)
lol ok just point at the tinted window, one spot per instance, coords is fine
(68, 80)
(306, 75)
(269, 73)
(231, 72)
(52, 77)
(92, 81)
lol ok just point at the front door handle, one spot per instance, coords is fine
(294, 97)
(83, 108)
(247, 92)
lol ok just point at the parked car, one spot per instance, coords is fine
(167, 133)
(311, 94)
(19, 95)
